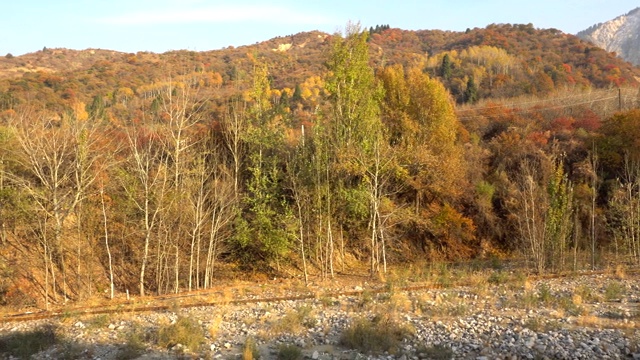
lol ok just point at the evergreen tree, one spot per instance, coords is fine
(471, 93)
(97, 108)
(296, 97)
(446, 68)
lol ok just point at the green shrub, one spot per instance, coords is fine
(99, 321)
(185, 331)
(529, 300)
(614, 291)
(289, 352)
(544, 294)
(498, 277)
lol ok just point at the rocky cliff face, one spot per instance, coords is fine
(621, 35)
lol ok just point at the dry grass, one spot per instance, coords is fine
(442, 305)
(250, 350)
(214, 326)
(381, 334)
(293, 322)
(589, 321)
(185, 331)
(398, 302)
(620, 272)
(587, 294)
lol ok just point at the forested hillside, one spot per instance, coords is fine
(313, 154)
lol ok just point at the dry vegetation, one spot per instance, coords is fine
(162, 174)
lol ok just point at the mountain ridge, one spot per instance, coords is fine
(538, 61)
(619, 35)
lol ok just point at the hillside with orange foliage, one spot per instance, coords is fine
(310, 153)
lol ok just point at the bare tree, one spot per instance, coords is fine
(61, 159)
(145, 180)
(544, 210)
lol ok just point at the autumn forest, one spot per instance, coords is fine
(313, 155)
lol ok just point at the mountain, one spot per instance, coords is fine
(620, 35)
(505, 61)
(55, 60)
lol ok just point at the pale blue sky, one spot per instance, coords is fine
(162, 25)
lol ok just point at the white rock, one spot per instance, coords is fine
(315, 355)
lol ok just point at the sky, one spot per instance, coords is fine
(199, 25)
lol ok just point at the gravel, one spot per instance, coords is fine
(562, 318)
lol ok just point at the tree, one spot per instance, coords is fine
(96, 109)
(621, 139)
(145, 178)
(60, 163)
(446, 68)
(543, 210)
(471, 92)
(262, 231)
(356, 127)
(418, 113)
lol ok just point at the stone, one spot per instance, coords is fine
(541, 348)
(529, 342)
(315, 355)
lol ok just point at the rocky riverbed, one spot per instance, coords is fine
(577, 317)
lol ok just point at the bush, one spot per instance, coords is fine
(614, 291)
(135, 345)
(250, 350)
(381, 334)
(289, 352)
(437, 352)
(294, 322)
(544, 294)
(184, 331)
(498, 277)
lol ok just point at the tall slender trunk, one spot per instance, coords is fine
(106, 243)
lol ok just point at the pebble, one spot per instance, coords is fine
(487, 329)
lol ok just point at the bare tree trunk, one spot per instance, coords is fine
(106, 242)
(176, 288)
(594, 194)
